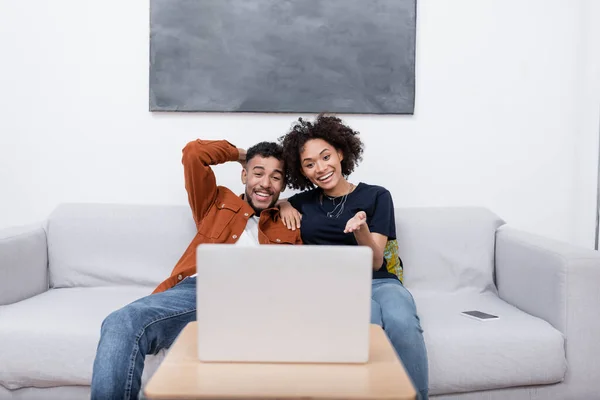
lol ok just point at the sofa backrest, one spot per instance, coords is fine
(447, 248)
(443, 249)
(109, 244)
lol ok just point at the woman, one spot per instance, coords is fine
(319, 156)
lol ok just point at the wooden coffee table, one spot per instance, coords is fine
(182, 376)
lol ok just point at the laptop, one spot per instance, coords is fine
(284, 304)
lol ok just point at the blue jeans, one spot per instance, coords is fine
(393, 307)
(153, 322)
(143, 327)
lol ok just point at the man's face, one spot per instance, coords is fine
(263, 177)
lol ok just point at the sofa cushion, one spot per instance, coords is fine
(104, 244)
(468, 355)
(447, 249)
(51, 339)
(53, 393)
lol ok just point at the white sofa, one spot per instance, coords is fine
(59, 281)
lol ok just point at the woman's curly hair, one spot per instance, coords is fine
(332, 130)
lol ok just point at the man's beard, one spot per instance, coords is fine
(257, 210)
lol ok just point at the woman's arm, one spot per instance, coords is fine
(364, 237)
(290, 217)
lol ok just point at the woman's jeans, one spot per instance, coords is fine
(393, 307)
(153, 322)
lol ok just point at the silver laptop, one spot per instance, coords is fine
(279, 303)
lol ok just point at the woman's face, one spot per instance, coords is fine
(321, 163)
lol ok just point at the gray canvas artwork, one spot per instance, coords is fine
(297, 56)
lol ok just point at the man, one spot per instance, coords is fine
(153, 322)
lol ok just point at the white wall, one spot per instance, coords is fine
(501, 85)
(588, 132)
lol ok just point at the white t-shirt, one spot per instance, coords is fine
(249, 237)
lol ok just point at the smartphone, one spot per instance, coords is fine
(479, 315)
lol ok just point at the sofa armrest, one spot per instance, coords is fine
(557, 282)
(23, 263)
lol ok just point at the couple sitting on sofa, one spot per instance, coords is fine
(316, 155)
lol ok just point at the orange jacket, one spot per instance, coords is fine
(220, 214)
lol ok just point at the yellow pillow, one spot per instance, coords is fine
(394, 263)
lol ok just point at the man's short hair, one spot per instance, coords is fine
(265, 149)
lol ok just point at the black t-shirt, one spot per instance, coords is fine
(324, 218)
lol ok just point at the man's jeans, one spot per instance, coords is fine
(143, 327)
(152, 323)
